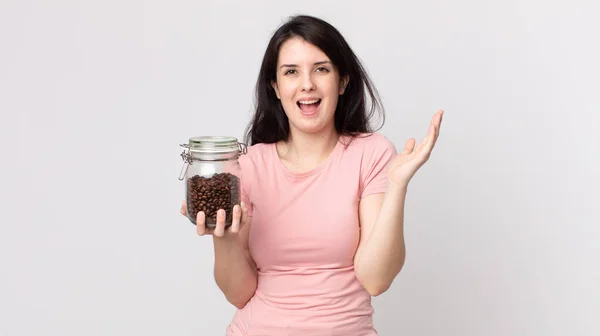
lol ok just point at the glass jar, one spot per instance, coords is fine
(212, 176)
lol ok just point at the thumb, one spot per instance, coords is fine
(183, 210)
(244, 211)
(409, 146)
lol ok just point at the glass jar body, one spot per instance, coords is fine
(211, 186)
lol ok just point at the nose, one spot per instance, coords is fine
(307, 83)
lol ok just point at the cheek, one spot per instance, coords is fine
(331, 88)
(288, 96)
(284, 87)
(287, 93)
(333, 95)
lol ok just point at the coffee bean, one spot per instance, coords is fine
(209, 194)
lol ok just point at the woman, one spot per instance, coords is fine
(320, 228)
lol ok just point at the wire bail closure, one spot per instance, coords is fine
(187, 157)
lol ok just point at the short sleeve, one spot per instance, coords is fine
(376, 156)
(246, 182)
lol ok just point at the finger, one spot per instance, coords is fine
(235, 222)
(183, 209)
(431, 134)
(436, 136)
(428, 142)
(437, 117)
(220, 227)
(244, 213)
(430, 139)
(200, 223)
(423, 144)
(437, 121)
(438, 125)
(409, 146)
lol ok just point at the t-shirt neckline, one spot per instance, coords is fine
(339, 144)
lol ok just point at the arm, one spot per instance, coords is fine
(381, 252)
(235, 272)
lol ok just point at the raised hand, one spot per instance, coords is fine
(404, 166)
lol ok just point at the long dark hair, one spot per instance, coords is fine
(352, 116)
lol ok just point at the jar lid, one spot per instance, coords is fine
(210, 148)
(214, 144)
(218, 145)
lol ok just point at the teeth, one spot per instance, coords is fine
(308, 101)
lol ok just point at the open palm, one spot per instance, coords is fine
(404, 166)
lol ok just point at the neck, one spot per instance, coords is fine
(305, 151)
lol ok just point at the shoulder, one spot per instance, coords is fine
(370, 144)
(371, 152)
(256, 155)
(252, 165)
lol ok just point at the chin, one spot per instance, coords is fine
(313, 126)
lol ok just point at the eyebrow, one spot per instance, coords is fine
(295, 65)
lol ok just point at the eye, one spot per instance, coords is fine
(291, 71)
(322, 69)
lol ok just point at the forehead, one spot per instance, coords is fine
(296, 50)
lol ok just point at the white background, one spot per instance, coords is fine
(502, 224)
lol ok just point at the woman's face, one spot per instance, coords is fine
(308, 86)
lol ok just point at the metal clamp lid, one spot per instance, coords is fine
(217, 146)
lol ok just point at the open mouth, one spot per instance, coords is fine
(308, 106)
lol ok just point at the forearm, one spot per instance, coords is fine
(235, 272)
(383, 254)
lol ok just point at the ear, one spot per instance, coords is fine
(344, 84)
(276, 88)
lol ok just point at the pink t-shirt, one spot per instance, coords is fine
(304, 234)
